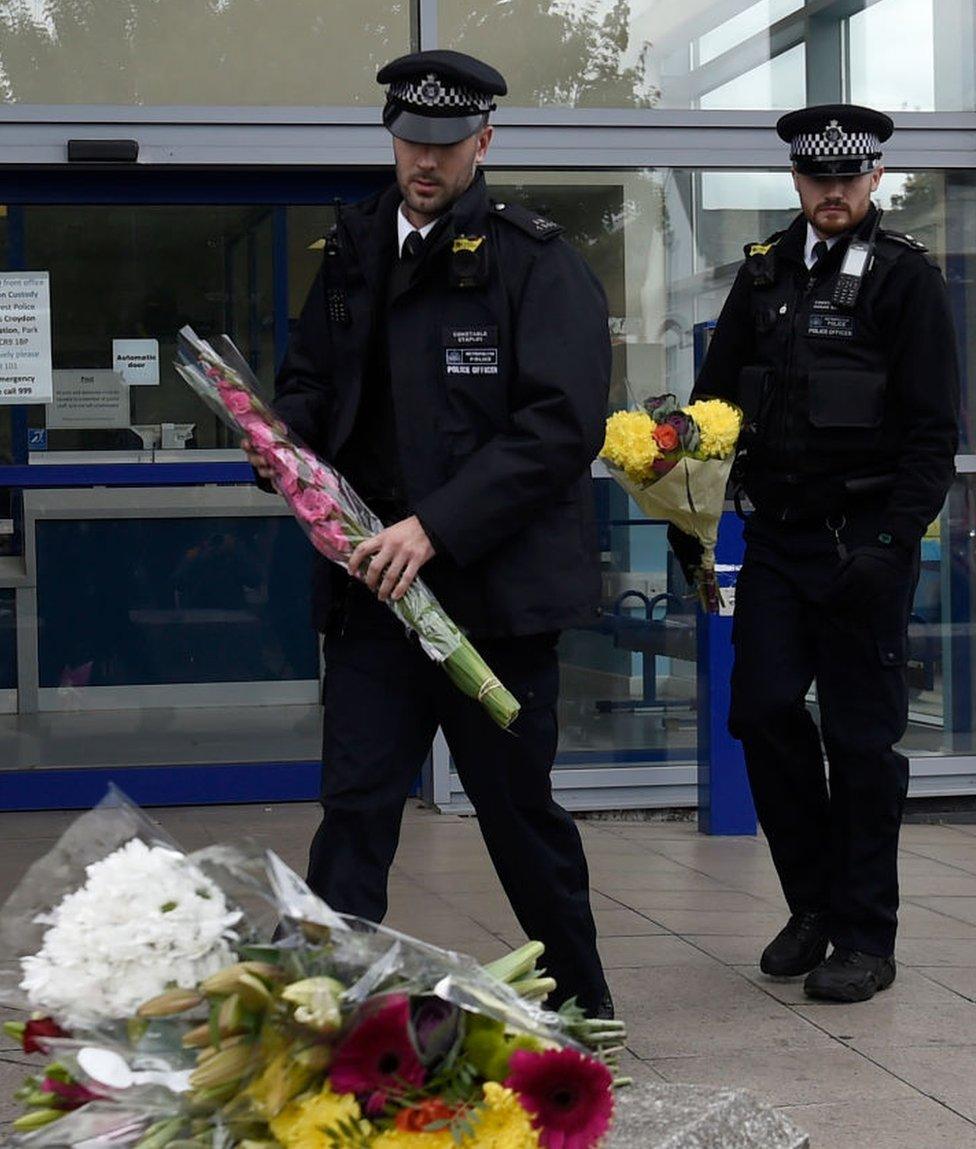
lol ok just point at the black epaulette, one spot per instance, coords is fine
(908, 241)
(530, 222)
(763, 248)
(761, 260)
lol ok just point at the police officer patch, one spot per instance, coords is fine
(470, 350)
(831, 324)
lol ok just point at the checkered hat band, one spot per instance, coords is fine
(843, 145)
(431, 95)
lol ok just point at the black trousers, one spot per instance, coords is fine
(384, 700)
(834, 842)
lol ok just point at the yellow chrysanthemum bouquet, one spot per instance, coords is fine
(674, 462)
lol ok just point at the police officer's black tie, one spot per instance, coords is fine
(407, 264)
(413, 246)
(820, 249)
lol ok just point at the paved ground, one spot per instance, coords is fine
(682, 920)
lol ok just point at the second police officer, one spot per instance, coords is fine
(837, 341)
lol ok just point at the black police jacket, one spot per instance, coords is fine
(499, 368)
(840, 403)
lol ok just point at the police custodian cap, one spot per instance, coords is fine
(835, 139)
(438, 97)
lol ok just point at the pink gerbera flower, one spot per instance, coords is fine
(568, 1095)
(377, 1056)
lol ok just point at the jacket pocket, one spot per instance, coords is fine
(893, 652)
(842, 399)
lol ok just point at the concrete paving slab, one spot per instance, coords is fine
(947, 1074)
(883, 1124)
(960, 980)
(727, 901)
(936, 951)
(916, 921)
(962, 908)
(886, 1022)
(789, 1076)
(760, 924)
(718, 1027)
(660, 949)
(730, 949)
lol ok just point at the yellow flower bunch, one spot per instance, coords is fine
(304, 1122)
(719, 425)
(501, 1123)
(630, 444)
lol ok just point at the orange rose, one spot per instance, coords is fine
(666, 437)
(418, 1117)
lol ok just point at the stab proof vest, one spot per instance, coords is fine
(816, 400)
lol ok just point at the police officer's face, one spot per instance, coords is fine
(836, 204)
(432, 176)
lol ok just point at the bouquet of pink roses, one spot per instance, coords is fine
(333, 516)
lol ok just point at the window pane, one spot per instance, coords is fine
(720, 54)
(776, 83)
(233, 52)
(127, 272)
(904, 59)
(752, 21)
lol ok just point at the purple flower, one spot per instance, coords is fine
(436, 1027)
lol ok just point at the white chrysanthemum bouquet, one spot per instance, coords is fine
(145, 919)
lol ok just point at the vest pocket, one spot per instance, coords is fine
(842, 399)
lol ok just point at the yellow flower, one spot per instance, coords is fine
(503, 1123)
(303, 1123)
(404, 1139)
(719, 424)
(630, 444)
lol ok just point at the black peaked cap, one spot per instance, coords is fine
(456, 66)
(851, 117)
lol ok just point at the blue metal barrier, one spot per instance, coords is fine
(724, 799)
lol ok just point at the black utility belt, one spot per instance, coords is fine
(776, 503)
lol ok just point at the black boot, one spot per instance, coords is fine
(848, 975)
(604, 1011)
(799, 947)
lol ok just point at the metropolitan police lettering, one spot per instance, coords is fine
(827, 320)
(471, 350)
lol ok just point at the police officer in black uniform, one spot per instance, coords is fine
(837, 342)
(453, 360)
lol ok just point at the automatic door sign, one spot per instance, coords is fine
(25, 337)
(137, 361)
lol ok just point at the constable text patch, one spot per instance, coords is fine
(838, 326)
(471, 350)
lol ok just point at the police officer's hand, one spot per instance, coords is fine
(868, 574)
(687, 550)
(395, 555)
(257, 461)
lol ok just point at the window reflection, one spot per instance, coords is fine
(717, 54)
(135, 52)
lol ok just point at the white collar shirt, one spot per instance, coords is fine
(405, 227)
(812, 238)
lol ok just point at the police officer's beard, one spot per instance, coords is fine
(840, 221)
